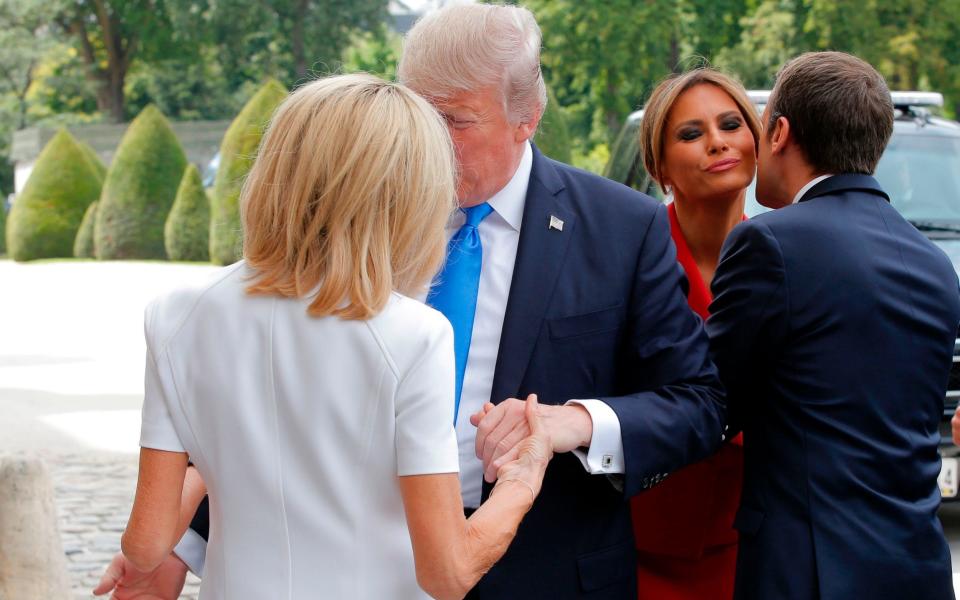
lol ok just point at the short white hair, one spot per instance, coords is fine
(465, 47)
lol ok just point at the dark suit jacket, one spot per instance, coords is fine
(833, 327)
(597, 310)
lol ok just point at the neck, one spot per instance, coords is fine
(705, 224)
(797, 172)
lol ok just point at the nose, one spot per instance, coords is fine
(717, 143)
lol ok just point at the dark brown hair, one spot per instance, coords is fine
(839, 109)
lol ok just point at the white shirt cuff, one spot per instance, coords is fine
(605, 454)
(192, 550)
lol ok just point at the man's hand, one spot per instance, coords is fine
(955, 426)
(163, 583)
(502, 427)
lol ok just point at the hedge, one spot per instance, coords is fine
(236, 157)
(45, 217)
(139, 190)
(83, 246)
(187, 232)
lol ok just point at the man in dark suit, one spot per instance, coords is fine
(579, 301)
(833, 326)
(563, 284)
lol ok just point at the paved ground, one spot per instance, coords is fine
(71, 385)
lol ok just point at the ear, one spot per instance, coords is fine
(781, 135)
(524, 131)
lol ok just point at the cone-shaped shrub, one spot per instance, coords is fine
(83, 246)
(45, 217)
(95, 161)
(553, 134)
(139, 190)
(236, 156)
(3, 227)
(187, 233)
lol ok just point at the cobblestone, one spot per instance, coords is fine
(93, 493)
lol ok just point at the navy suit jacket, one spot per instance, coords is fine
(833, 326)
(598, 310)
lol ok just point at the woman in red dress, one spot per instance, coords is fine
(699, 142)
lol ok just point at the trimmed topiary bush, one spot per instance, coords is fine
(95, 161)
(83, 246)
(187, 232)
(3, 227)
(139, 190)
(236, 156)
(45, 217)
(553, 134)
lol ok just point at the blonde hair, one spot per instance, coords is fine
(657, 111)
(465, 47)
(348, 197)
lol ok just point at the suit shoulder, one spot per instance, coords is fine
(406, 329)
(601, 193)
(167, 313)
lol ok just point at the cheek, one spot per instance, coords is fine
(681, 161)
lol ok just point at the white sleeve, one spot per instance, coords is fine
(426, 442)
(192, 550)
(605, 454)
(156, 427)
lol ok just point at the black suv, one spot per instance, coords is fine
(920, 170)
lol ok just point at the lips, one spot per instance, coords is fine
(723, 165)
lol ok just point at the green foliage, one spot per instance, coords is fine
(139, 190)
(187, 232)
(44, 220)
(376, 52)
(237, 152)
(95, 163)
(83, 246)
(767, 42)
(553, 135)
(3, 227)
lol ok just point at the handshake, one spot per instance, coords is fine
(502, 428)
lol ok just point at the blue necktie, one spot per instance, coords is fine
(454, 292)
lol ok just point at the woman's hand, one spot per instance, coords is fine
(533, 452)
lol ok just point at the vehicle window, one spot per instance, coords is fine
(922, 176)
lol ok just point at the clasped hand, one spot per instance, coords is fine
(502, 428)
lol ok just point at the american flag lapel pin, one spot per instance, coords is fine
(555, 223)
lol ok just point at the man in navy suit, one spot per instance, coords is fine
(577, 298)
(579, 301)
(833, 326)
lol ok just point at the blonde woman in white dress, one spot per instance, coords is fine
(311, 393)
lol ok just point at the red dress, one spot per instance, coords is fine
(686, 542)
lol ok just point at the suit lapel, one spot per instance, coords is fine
(540, 256)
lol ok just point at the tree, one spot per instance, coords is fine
(237, 153)
(139, 190)
(186, 234)
(767, 41)
(83, 244)
(44, 220)
(376, 52)
(111, 35)
(25, 38)
(289, 39)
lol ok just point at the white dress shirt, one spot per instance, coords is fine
(809, 185)
(499, 237)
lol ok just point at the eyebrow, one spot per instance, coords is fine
(720, 117)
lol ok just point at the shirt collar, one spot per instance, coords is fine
(809, 185)
(509, 201)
